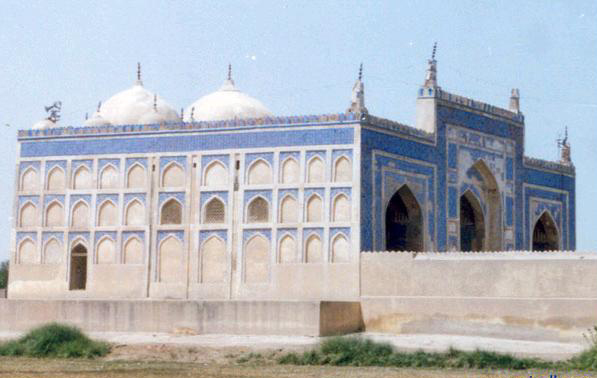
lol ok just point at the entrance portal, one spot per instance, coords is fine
(545, 234)
(78, 268)
(472, 224)
(404, 222)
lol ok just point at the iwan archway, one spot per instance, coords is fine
(404, 222)
(78, 268)
(545, 234)
(472, 223)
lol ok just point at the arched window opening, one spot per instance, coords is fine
(136, 177)
(289, 210)
(340, 249)
(213, 260)
(28, 216)
(56, 179)
(78, 268)
(173, 176)
(404, 222)
(260, 173)
(109, 178)
(171, 212)
(27, 252)
(108, 214)
(472, 224)
(105, 251)
(258, 211)
(545, 234)
(287, 250)
(82, 178)
(55, 215)
(342, 170)
(314, 250)
(341, 209)
(135, 213)
(257, 260)
(215, 211)
(290, 171)
(316, 171)
(29, 181)
(133, 251)
(314, 209)
(80, 215)
(216, 174)
(172, 261)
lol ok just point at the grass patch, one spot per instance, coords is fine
(55, 340)
(352, 351)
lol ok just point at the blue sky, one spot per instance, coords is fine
(302, 58)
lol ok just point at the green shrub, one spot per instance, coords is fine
(55, 340)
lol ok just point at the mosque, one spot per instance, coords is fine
(229, 201)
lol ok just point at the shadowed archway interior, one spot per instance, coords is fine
(78, 268)
(472, 223)
(404, 222)
(545, 234)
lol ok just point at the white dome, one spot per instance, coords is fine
(130, 106)
(224, 104)
(43, 124)
(96, 120)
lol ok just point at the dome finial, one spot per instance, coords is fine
(229, 71)
(434, 50)
(193, 114)
(361, 71)
(431, 78)
(99, 106)
(155, 102)
(357, 103)
(139, 82)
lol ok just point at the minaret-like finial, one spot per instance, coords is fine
(229, 71)
(431, 77)
(139, 82)
(515, 100)
(357, 103)
(182, 114)
(99, 106)
(361, 72)
(86, 116)
(564, 146)
(155, 102)
(193, 114)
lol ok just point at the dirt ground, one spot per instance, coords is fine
(159, 360)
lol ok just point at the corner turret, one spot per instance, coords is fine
(426, 101)
(357, 104)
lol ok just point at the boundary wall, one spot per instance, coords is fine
(516, 295)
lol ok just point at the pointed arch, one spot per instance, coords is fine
(173, 175)
(472, 223)
(105, 251)
(313, 249)
(54, 214)
(27, 251)
(340, 248)
(29, 180)
(82, 178)
(133, 250)
(258, 210)
(315, 170)
(342, 169)
(172, 261)
(260, 172)
(289, 209)
(109, 177)
(493, 200)
(341, 208)
(214, 211)
(171, 212)
(215, 174)
(213, 260)
(257, 259)
(136, 176)
(314, 208)
(80, 215)
(78, 267)
(134, 214)
(107, 215)
(52, 251)
(287, 249)
(546, 236)
(404, 222)
(28, 215)
(55, 179)
(290, 171)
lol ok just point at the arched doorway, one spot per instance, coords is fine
(545, 234)
(78, 268)
(472, 223)
(404, 222)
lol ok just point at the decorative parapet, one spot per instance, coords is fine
(188, 126)
(549, 165)
(480, 106)
(397, 127)
(488, 255)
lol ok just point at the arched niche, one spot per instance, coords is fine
(472, 223)
(29, 180)
(315, 170)
(53, 251)
(28, 215)
(134, 213)
(342, 170)
(80, 215)
(216, 174)
(82, 178)
(133, 251)
(545, 234)
(341, 208)
(258, 211)
(27, 251)
(172, 261)
(105, 251)
(171, 212)
(313, 249)
(404, 222)
(314, 209)
(259, 173)
(54, 215)
(287, 250)
(289, 210)
(290, 171)
(173, 176)
(109, 177)
(215, 211)
(213, 260)
(55, 179)
(107, 214)
(78, 267)
(340, 249)
(136, 176)
(257, 260)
